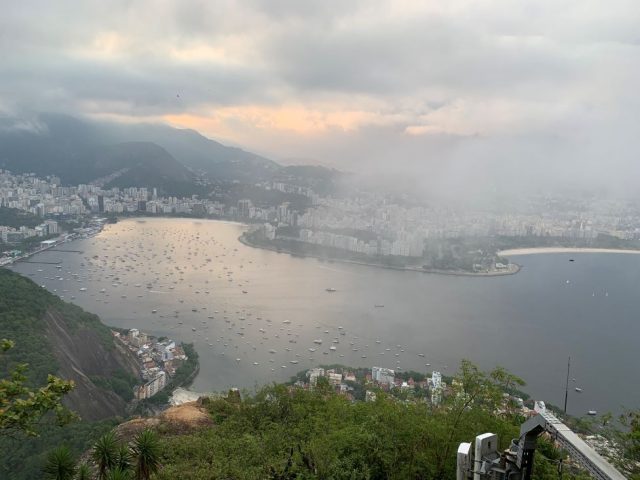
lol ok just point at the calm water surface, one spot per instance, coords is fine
(196, 273)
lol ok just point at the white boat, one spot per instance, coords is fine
(318, 341)
(592, 412)
(579, 390)
(332, 348)
(330, 289)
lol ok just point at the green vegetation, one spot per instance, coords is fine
(111, 459)
(23, 306)
(285, 432)
(15, 218)
(22, 408)
(60, 464)
(121, 382)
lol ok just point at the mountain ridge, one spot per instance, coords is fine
(176, 161)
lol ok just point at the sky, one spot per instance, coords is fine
(453, 95)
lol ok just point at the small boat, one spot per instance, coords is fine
(592, 412)
(332, 348)
(379, 305)
(421, 354)
(330, 290)
(579, 390)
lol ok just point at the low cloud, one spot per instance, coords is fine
(473, 90)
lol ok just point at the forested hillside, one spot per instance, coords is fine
(12, 217)
(287, 433)
(55, 337)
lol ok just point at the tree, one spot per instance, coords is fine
(475, 396)
(146, 453)
(23, 408)
(60, 464)
(105, 454)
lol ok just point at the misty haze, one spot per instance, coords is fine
(324, 239)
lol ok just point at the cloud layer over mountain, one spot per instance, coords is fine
(455, 95)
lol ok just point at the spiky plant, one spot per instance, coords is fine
(60, 464)
(146, 454)
(105, 454)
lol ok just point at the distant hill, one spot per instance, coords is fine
(150, 155)
(198, 152)
(79, 152)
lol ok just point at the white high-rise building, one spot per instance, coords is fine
(384, 376)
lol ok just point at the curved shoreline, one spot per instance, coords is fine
(512, 270)
(550, 250)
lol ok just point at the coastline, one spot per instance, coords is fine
(512, 270)
(548, 250)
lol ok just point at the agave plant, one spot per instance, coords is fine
(105, 454)
(123, 457)
(60, 464)
(84, 472)
(146, 454)
(118, 474)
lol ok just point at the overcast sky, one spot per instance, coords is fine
(489, 91)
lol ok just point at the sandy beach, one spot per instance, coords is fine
(534, 251)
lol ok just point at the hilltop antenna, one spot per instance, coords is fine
(566, 387)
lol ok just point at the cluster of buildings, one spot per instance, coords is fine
(374, 225)
(365, 223)
(159, 360)
(335, 376)
(14, 236)
(39, 196)
(378, 378)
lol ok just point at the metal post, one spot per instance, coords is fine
(566, 387)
